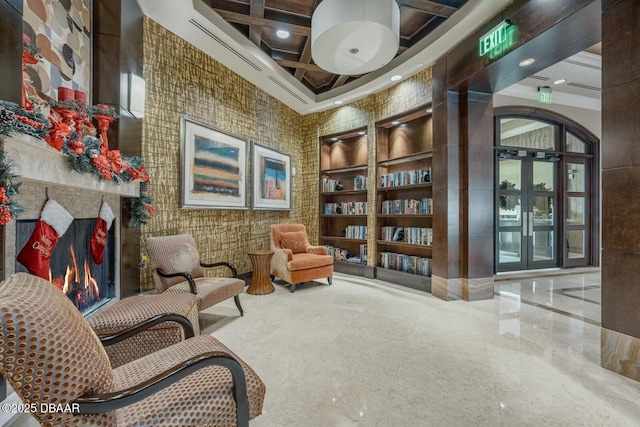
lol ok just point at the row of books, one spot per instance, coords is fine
(335, 185)
(356, 232)
(360, 182)
(345, 208)
(407, 207)
(419, 176)
(340, 254)
(407, 263)
(411, 235)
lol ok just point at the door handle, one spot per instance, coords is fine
(530, 224)
(524, 224)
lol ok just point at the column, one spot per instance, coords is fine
(620, 340)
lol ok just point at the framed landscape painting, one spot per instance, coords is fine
(271, 179)
(213, 167)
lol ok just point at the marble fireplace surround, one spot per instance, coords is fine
(41, 167)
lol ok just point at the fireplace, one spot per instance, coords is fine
(72, 269)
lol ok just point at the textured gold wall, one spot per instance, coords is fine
(181, 79)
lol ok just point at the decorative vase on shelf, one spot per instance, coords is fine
(103, 125)
(339, 186)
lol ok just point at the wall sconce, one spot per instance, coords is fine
(136, 95)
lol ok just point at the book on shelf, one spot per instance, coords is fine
(363, 253)
(345, 208)
(340, 254)
(407, 207)
(407, 263)
(412, 235)
(360, 182)
(334, 185)
(356, 232)
(411, 177)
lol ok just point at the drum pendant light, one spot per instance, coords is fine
(351, 37)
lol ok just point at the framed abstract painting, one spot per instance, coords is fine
(271, 179)
(213, 167)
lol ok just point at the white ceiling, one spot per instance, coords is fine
(583, 88)
(202, 27)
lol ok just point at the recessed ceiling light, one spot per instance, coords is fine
(429, 110)
(396, 78)
(338, 102)
(334, 139)
(527, 62)
(283, 34)
(395, 122)
(361, 132)
(560, 81)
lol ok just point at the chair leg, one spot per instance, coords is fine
(237, 300)
(292, 288)
(330, 280)
(272, 277)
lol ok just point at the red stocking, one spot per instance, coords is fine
(36, 254)
(99, 239)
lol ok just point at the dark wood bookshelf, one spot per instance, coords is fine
(345, 170)
(405, 147)
(405, 187)
(342, 192)
(403, 244)
(344, 157)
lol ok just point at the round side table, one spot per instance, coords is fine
(260, 280)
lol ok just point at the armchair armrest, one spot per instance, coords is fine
(219, 264)
(317, 250)
(143, 326)
(187, 276)
(100, 403)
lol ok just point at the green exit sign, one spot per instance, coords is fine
(544, 94)
(498, 41)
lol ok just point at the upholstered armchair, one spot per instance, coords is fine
(50, 355)
(178, 269)
(295, 260)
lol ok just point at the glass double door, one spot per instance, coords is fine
(526, 220)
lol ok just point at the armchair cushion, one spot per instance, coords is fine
(193, 400)
(294, 240)
(211, 290)
(306, 261)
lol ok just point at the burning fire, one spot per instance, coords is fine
(81, 291)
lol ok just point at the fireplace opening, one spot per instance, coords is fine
(72, 269)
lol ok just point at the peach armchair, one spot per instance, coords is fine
(294, 259)
(50, 354)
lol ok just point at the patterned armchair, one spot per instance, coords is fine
(294, 259)
(178, 269)
(49, 354)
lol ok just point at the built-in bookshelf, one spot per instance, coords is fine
(404, 201)
(343, 199)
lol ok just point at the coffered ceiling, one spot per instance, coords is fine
(241, 34)
(260, 20)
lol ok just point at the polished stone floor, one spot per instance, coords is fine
(363, 353)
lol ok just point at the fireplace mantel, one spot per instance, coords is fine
(35, 160)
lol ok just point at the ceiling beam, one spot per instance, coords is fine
(431, 7)
(255, 31)
(340, 81)
(250, 20)
(305, 58)
(298, 65)
(306, 51)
